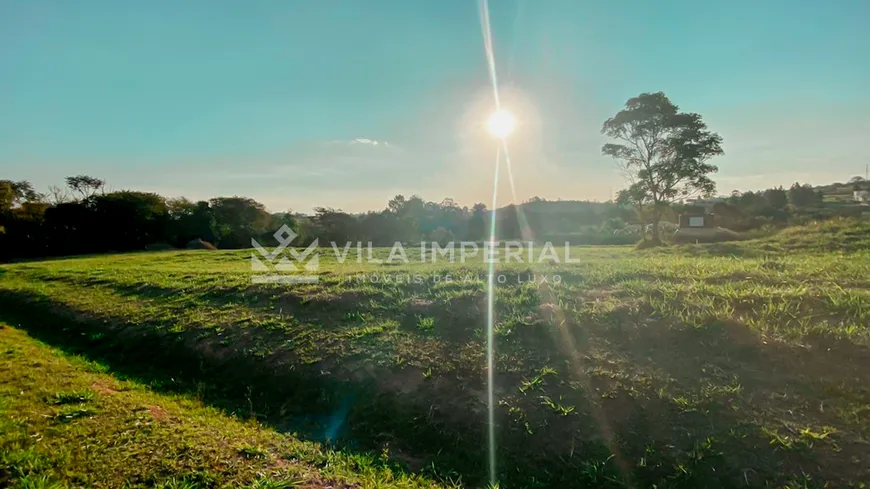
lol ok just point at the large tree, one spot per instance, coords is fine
(663, 152)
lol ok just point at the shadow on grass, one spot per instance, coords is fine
(464, 313)
(735, 249)
(428, 430)
(437, 426)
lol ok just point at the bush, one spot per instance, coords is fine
(198, 244)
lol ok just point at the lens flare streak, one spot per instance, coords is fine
(486, 30)
(483, 6)
(490, 320)
(568, 342)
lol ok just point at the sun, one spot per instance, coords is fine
(501, 123)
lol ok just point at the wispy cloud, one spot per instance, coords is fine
(369, 141)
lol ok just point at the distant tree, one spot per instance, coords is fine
(57, 195)
(189, 221)
(477, 223)
(129, 220)
(380, 228)
(179, 206)
(292, 221)
(238, 220)
(732, 216)
(447, 214)
(508, 226)
(335, 225)
(804, 195)
(663, 152)
(448, 203)
(16, 193)
(85, 186)
(753, 200)
(23, 230)
(396, 204)
(307, 230)
(410, 212)
(776, 197)
(859, 183)
(70, 228)
(285, 218)
(7, 196)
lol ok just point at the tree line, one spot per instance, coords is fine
(83, 217)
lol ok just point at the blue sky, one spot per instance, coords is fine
(283, 100)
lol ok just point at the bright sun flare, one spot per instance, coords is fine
(501, 123)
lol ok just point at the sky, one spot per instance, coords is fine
(345, 104)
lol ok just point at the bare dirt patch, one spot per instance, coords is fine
(158, 413)
(104, 387)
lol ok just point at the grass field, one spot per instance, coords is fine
(726, 365)
(65, 421)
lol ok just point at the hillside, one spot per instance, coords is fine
(839, 235)
(834, 236)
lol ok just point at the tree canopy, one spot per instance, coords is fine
(85, 186)
(663, 152)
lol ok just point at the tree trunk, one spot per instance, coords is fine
(656, 238)
(642, 220)
(656, 217)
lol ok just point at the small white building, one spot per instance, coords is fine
(862, 196)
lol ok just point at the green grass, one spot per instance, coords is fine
(839, 235)
(729, 365)
(63, 423)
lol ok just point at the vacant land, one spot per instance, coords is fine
(66, 422)
(731, 365)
